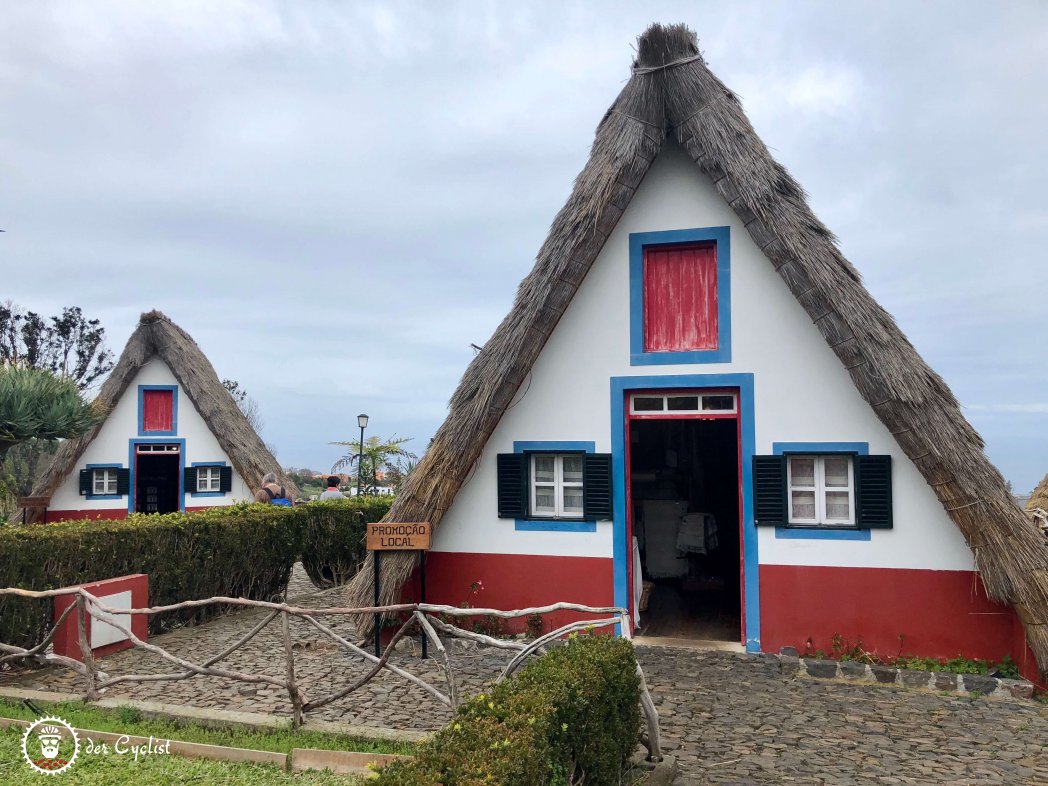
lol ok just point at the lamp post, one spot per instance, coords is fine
(362, 421)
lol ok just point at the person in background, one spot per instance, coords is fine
(272, 492)
(332, 492)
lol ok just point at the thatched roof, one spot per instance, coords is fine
(158, 336)
(673, 94)
(1039, 497)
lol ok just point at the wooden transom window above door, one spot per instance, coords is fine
(680, 298)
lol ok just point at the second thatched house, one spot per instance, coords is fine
(173, 438)
(694, 398)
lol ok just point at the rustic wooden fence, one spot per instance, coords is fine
(424, 614)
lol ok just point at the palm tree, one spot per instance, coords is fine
(378, 454)
(36, 404)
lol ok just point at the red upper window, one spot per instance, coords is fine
(158, 410)
(680, 298)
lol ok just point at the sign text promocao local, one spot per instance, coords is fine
(395, 536)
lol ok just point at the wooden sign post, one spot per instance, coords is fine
(398, 536)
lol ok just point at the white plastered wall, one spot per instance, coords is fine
(802, 394)
(111, 446)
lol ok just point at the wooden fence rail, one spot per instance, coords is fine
(424, 614)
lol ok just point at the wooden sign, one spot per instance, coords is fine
(393, 536)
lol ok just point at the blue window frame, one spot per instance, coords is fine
(721, 236)
(142, 412)
(800, 532)
(91, 468)
(554, 525)
(194, 492)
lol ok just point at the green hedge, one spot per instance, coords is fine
(237, 551)
(334, 536)
(571, 716)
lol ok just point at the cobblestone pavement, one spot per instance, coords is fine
(728, 718)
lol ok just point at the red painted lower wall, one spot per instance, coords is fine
(108, 514)
(514, 581)
(937, 613)
(71, 515)
(67, 637)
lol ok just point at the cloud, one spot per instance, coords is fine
(336, 199)
(1037, 408)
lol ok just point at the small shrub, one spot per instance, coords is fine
(333, 536)
(571, 716)
(535, 626)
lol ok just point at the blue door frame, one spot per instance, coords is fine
(620, 387)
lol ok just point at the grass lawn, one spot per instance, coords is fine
(157, 770)
(128, 720)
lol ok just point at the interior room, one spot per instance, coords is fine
(684, 478)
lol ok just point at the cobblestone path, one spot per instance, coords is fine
(728, 718)
(735, 719)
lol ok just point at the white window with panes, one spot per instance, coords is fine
(209, 479)
(821, 491)
(103, 482)
(556, 485)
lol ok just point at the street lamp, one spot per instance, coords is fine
(362, 421)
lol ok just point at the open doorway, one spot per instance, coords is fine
(157, 479)
(685, 501)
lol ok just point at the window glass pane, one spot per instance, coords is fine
(802, 471)
(719, 403)
(803, 504)
(544, 472)
(573, 469)
(838, 505)
(544, 500)
(207, 479)
(573, 500)
(647, 404)
(686, 403)
(836, 469)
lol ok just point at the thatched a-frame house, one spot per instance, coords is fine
(688, 276)
(173, 439)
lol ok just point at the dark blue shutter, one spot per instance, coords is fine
(189, 480)
(225, 480)
(769, 491)
(596, 486)
(86, 481)
(873, 491)
(123, 482)
(512, 485)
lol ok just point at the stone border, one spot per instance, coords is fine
(791, 664)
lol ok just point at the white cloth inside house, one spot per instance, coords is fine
(662, 520)
(698, 533)
(638, 582)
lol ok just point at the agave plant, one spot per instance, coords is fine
(36, 404)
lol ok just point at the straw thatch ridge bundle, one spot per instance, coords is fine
(158, 336)
(673, 94)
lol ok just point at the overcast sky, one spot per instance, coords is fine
(335, 199)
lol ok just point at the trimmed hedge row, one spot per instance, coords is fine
(333, 533)
(236, 551)
(571, 716)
